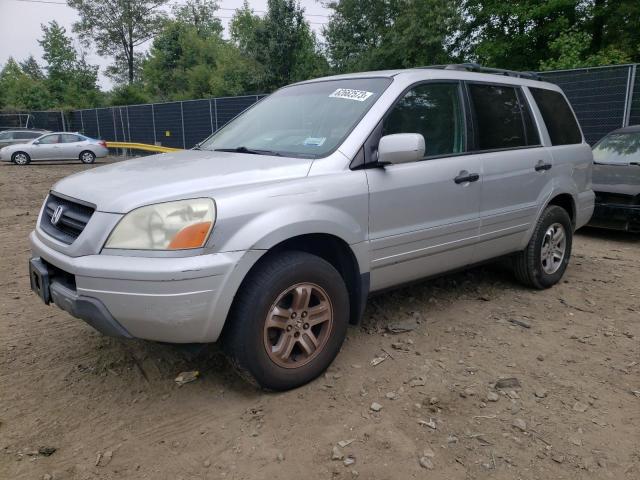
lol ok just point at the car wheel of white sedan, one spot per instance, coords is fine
(20, 158)
(87, 157)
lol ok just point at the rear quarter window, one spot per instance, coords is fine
(557, 115)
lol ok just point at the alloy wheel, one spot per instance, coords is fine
(554, 246)
(298, 325)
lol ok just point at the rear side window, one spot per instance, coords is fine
(557, 115)
(69, 138)
(502, 121)
(434, 111)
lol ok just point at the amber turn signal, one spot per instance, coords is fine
(192, 236)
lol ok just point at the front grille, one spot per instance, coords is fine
(73, 219)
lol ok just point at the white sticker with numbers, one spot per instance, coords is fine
(350, 94)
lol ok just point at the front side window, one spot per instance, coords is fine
(500, 122)
(309, 120)
(49, 139)
(618, 149)
(5, 136)
(557, 115)
(434, 111)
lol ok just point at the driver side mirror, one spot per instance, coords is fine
(401, 148)
(36, 142)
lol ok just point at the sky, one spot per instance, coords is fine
(20, 22)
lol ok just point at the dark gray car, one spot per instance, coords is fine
(616, 180)
(12, 137)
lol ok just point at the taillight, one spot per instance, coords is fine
(102, 143)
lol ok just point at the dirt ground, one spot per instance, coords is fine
(112, 410)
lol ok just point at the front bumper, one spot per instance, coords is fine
(168, 299)
(617, 217)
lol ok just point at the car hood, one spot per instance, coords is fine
(624, 179)
(123, 186)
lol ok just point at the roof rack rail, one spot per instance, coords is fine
(476, 67)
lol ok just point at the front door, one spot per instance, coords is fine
(46, 148)
(425, 215)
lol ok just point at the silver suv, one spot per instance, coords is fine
(271, 234)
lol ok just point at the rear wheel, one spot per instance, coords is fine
(87, 157)
(288, 321)
(21, 158)
(543, 263)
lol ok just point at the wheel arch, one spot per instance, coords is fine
(565, 201)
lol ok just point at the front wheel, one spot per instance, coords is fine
(543, 263)
(21, 158)
(288, 321)
(87, 157)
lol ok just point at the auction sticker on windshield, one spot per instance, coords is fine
(350, 94)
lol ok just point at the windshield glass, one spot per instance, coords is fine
(619, 148)
(308, 120)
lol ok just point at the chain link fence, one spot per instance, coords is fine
(604, 99)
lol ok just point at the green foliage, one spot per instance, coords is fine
(70, 80)
(530, 34)
(374, 34)
(128, 94)
(281, 43)
(19, 91)
(117, 28)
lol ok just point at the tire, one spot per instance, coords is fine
(87, 157)
(259, 351)
(21, 158)
(539, 265)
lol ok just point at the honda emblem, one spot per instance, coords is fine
(57, 213)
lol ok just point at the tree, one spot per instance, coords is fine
(374, 34)
(70, 80)
(529, 34)
(31, 68)
(201, 14)
(281, 42)
(189, 61)
(19, 91)
(118, 27)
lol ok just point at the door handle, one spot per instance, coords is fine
(465, 177)
(541, 166)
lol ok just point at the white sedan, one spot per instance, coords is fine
(56, 146)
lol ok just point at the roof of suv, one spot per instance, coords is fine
(437, 72)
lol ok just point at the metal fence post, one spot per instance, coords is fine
(81, 121)
(184, 144)
(153, 122)
(97, 122)
(113, 117)
(215, 101)
(210, 116)
(64, 127)
(631, 80)
(128, 124)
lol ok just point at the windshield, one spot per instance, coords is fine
(308, 120)
(619, 149)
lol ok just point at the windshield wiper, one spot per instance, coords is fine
(244, 149)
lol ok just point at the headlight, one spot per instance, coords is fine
(165, 226)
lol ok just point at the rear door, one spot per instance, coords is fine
(515, 166)
(70, 146)
(421, 220)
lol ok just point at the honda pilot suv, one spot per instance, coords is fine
(270, 235)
